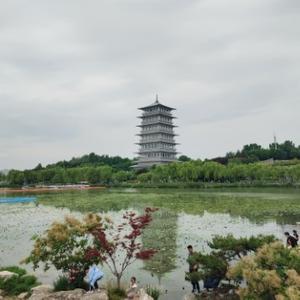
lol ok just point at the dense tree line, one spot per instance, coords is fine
(2, 176)
(254, 153)
(194, 171)
(242, 166)
(90, 168)
(92, 159)
(59, 175)
(209, 171)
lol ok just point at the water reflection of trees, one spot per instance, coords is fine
(161, 235)
(258, 205)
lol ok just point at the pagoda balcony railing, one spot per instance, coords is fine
(149, 150)
(156, 140)
(158, 121)
(160, 130)
(142, 159)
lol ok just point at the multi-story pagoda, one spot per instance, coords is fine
(157, 143)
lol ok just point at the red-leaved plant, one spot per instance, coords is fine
(120, 246)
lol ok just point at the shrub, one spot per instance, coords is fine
(115, 293)
(154, 292)
(64, 245)
(213, 265)
(226, 250)
(272, 273)
(237, 247)
(62, 284)
(14, 269)
(17, 284)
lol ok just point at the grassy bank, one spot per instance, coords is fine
(206, 185)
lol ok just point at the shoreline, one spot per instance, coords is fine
(145, 186)
(4, 191)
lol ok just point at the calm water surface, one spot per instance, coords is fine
(185, 217)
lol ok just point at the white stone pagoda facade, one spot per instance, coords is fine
(157, 137)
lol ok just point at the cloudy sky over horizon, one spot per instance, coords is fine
(73, 73)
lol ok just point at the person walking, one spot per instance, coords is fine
(193, 268)
(94, 274)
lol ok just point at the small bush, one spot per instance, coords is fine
(18, 284)
(154, 292)
(272, 272)
(61, 284)
(116, 293)
(14, 269)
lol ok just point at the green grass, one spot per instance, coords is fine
(257, 204)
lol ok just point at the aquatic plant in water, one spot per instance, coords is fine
(257, 204)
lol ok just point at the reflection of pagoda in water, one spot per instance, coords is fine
(157, 143)
(161, 235)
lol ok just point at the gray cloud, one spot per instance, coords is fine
(72, 74)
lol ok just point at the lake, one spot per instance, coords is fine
(184, 217)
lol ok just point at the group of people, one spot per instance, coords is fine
(292, 240)
(95, 274)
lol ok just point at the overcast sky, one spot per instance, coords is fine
(72, 74)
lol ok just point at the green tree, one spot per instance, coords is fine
(59, 176)
(105, 174)
(93, 175)
(64, 246)
(15, 177)
(225, 251)
(184, 158)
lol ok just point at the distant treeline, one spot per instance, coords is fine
(197, 171)
(92, 159)
(242, 166)
(91, 168)
(254, 153)
(58, 175)
(194, 171)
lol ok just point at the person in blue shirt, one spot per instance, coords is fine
(94, 274)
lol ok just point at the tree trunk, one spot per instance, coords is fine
(119, 281)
